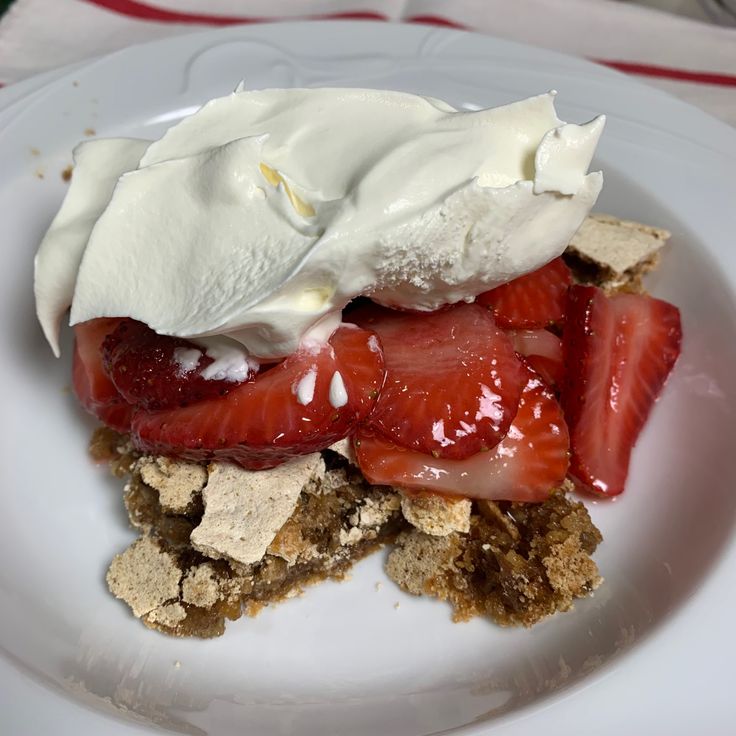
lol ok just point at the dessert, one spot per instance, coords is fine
(314, 322)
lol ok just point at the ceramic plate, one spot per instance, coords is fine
(345, 659)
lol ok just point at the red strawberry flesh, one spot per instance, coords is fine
(92, 386)
(525, 466)
(618, 353)
(534, 300)
(543, 352)
(284, 412)
(144, 368)
(453, 380)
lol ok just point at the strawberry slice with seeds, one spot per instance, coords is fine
(618, 352)
(92, 386)
(543, 352)
(155, 371)
(530, 461)
(304, 404)
(453, 379)
(531, 301)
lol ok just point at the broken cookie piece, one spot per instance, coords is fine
(614, 254)
(436, 515)
(178, 482)
(518, 564)
(328, 520)
(243, 509)
(175, 591)
(146, 576)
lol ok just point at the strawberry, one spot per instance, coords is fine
(304, 404)
(94, 389)
(618, 352)
(529, 461)
(453, 380)
(143, 366)
(531, 301)
(543, 352)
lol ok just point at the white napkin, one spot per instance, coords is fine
(693, 60)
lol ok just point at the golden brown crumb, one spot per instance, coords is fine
(145, 576)
(89, 132)
(177, 481)
(200, 586)
(436, 515)
(244, 509)
(519, 563)
(66, 173)
(304, 551)
(516, 564)
(419, 558)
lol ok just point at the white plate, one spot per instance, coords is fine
(343, 659)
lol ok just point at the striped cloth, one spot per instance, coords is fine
(693, 60)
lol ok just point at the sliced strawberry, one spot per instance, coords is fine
(310, 400)
(543, 352)
(453, 380)
(530, 460)
(618, 353)
(94, 389)
(160, 372)
(531, 301)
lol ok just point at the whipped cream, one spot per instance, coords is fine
(263, 214)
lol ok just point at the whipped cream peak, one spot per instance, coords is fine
(264, 213)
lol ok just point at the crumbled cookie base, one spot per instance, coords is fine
(175, 589)
(514, 563)
(519, 563)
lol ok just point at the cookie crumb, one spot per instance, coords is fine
(66, 173)
(146, 577)
(245, 509)
(89, 132)
(436, 515)
(518, 564)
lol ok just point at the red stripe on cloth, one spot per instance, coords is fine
(664, 72)
(142, 11)
(436, 20)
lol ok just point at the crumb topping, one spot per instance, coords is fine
(244, 509)
(514, 563)
(200, 586)
(145, 576)
(176, 481)
(518, 564)
(437, 515)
